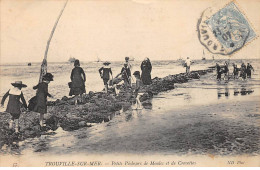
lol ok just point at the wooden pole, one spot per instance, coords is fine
(44, 62)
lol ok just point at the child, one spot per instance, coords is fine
(243, 71)
(130, 67)
(104, 74)
(114, 83)
(41, 96)
(137, 89)
(235, 71)
(187, 65)
(226, 71)
(126, 75)
(218, 72)
(248, 70)
(13, 106)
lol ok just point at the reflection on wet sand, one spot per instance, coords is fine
(184, 120)
(236, 92)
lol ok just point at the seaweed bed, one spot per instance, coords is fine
(91, 108)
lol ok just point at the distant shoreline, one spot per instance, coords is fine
(62, 62)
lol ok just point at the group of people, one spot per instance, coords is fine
(78, 78)
(125, 73)
(37, 104)
(244, 71)
(141, 79)
(77, 87)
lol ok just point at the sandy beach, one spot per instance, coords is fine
(198, 117)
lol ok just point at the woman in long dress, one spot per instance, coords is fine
(78, 79)
(146, 68)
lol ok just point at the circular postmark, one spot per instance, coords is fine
(225, 31)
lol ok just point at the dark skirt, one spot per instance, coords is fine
(40, 109)
(249, 74)
(146, 77)
(41, 104)
(219, 76)
(14, 106)
(77, 90)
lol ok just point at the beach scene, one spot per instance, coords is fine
(222, 116)
(128, 91)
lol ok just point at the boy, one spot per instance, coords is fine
(104, 74)
(137, 89)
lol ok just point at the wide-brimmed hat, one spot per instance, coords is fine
(106, 63)
(19, 84)
(48, 77)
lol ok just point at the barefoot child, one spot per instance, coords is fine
(41, 96)
(137, 89)
(105, 72)
(13, 106)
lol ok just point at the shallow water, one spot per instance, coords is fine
(155, 129)
(159, 128)
(61, 71)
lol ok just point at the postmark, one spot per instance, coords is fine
(225, 31)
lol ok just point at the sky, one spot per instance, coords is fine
(111, 29)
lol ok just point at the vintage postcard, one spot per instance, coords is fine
(129, 83)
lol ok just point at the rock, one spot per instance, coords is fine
(71, 102)
(52, 122)
(82, 124)
(240, 140)
(91, 107)
(64, 98)
(91, 94)
(70, 124)
(147, 105)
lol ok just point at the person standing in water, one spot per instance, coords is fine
(146, 68)
(137, 89)
(248, 70)
(128, 63)
(13, 106)
(226, 71)
(41, 96)
(243, 71)
(187, 65)
(218, 72)
(105, 72)
(235, 71)
(125, 72)
(130, 68)
(78, 79)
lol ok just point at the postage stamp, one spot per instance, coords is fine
(226, 31)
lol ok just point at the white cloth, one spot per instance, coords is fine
(15, 91)
(188, 62)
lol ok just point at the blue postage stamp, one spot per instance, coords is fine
(231, 29)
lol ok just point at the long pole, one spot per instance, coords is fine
(44, 62)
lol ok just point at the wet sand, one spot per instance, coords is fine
(223, 125)
(200, 116)
(222, 131)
